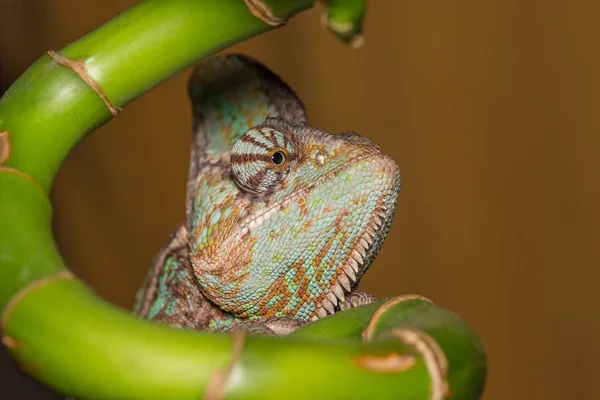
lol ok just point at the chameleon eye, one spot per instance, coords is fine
(278, 158)
(260, 160)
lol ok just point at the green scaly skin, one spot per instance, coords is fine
(283, 219)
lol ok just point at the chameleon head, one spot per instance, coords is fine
(300, 215)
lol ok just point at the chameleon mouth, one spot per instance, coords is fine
(353, 268)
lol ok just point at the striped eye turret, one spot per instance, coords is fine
(260, 160)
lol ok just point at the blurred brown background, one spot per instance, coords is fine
(489, 107)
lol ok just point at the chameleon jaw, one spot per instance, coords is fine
(364, 250)
(350, 272)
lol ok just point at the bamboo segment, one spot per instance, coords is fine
(344, 18)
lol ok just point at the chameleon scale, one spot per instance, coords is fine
(283, 219)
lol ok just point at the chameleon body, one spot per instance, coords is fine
(283, 219)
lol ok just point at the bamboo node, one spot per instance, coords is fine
(5, 147)
(390, 363)
(25, 175)
(80, 69)
(21, 294)
(340, 28)
(10, 342)
(369, 331)
(433, 356)
(215, 389)
(263, 11)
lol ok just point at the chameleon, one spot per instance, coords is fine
(282, 219)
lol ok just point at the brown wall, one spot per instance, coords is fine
(489, 107)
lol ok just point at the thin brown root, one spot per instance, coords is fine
(5, 147)
(390, 363)
(22, 174)
(215, 390)
(80, 69)
(14, 301)
(385, 307)
(264, 12)
(433, 356)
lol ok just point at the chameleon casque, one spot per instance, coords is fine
(283, 219)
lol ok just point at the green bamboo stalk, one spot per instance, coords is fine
(345, 19)
(65, 336)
